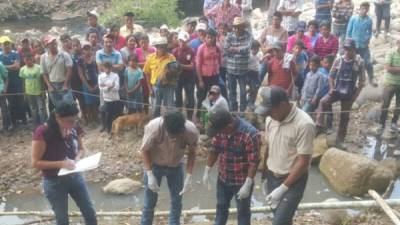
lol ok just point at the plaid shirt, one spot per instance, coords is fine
(342, 11)
(330, 47)
(238, 153)
(237, 63)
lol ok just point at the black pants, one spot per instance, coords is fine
(382, 12)
(111, 111)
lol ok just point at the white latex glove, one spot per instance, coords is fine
(275, 196)
(245, 190)
(206, 178)
(152, 181)
(187, 185)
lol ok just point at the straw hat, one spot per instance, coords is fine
(239, 21)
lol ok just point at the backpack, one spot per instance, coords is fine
(346, 78)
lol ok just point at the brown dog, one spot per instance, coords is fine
(137, 120)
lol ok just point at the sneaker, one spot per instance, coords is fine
(394, 127)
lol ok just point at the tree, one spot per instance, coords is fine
(150, 12)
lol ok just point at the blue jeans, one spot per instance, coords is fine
(37, 106)
(283, 214)
(175, 178)
(57, 190)
(263, 71)
(366, 56)
(308, 107)
(163, 95)
(59, 94)
(233, 81)
(225, 193)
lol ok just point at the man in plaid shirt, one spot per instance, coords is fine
(237, 144)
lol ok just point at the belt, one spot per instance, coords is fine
(277, 175)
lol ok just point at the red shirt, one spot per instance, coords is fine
(329, 47)
(119, 43)
(279, 76)
(185, 56)
(208, 60)
(292, 41)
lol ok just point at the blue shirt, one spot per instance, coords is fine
(195, 44)
(322, 14)
(114, 58)
(360, 30)
(325, 88)
(133, 77)
(15, 82)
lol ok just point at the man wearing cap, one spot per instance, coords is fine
(165, 141)
(326, 44)
(56, 67)
(237, 54)
(5, 114)
(154, 68)
(11, 61)
(201, 36)
(289, 135)
(130, 27)
(164, 31)
(224, 13)
(299, 36)
(237, 144)
(346, 80)
(281, 72)
(186, 80)
(291, 10)
(92, 20)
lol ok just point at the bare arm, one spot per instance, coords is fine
(191, 159)
(300, 167)
(212, 158)
(146, 157)
(392, 69)
(14, 66)
(81, 149)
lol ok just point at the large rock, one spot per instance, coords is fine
(392, 164)
(122, 186)
(353, 174)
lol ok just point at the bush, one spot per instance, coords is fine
(148, 12)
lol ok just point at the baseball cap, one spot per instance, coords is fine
(93, 13)
(217, 121)
(301, 26)
(48, 39)
(164, 26)
(160, 41)
(184, 36)
(349, 43)
(201, 26)
(4, 39)
(271, 96)
(215, 89)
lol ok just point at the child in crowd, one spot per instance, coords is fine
(87, 69)
(109, 86)
(313, 85)
(326, 65)
(133, 76)
(34, 88)
(253, 75)
(300, 57)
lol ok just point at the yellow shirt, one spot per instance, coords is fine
(155, 66)
(125, 31)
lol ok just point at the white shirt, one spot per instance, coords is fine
(109, 94)
(290, 22)
(254, 61)
(219, 104)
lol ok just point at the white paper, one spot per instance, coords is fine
(85, 164)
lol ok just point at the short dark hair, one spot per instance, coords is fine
(330, 58)
(65, 37)
(129, 14)
(316, 59)
(365, 4)
(107, 65)
(278, 14)
(325, 23)
(109, 36)
(255, 44)
(133, 57)
(28, 56)
(211, 32)
(174, 122)
(312, 23)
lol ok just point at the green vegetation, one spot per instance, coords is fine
(149, 12)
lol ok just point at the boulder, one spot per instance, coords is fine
(392, 164)
(320, 147)
(122, 186)
(354, 174)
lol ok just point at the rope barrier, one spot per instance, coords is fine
(263, 209)
(202, 110)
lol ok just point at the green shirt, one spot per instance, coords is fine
(3, 76)
(33, 79)
(392, 59)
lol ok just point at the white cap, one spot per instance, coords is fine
(85, 43)
(159, 41)
(164, 26)
(93, 13)
(201, 26)
(184, 36)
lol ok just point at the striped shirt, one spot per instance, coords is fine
(237, 63)
(342, 11)
(326, 47)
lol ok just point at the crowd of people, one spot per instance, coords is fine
(122, 70)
